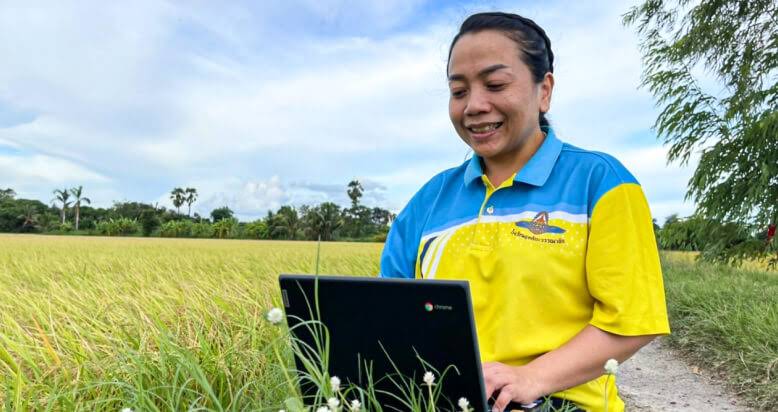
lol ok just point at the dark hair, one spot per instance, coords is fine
(534, 45)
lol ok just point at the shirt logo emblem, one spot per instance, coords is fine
(539, 225)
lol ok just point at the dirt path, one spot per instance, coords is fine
(657, 380)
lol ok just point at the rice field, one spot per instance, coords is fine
(89, 323)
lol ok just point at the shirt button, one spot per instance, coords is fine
(490, 210)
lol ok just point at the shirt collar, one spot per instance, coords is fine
(535, 172)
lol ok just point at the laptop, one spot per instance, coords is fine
(391, 328)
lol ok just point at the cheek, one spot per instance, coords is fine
(454, 112)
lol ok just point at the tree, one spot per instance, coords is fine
(30, 217)
(221, 213)
(323, 221)
(178, 197)
(148, 221)
(354, 192)
(735, 126)
(285, 224)
(225, 227)
(7, 194)
(190, 196)
(62, 196)
(77, 194)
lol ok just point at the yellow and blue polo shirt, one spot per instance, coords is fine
(567, 242)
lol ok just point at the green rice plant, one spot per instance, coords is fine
(90, 323)
(725, 319)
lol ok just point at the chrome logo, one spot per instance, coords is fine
(428, 307)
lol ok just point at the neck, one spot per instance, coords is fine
(500, 168)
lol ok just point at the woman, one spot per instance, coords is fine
(557, 242)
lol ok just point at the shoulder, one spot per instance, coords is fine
(599, 172)
(442, 182)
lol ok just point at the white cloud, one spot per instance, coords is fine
(47, 169)
(255, 115)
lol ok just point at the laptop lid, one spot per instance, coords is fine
(391, 325)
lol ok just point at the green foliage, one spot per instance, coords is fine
(221, 213)
(722, 242)
(7, 194)
(190, 196)
(178, 197)
(323, 221)
(119, 227)
(327, 220)
(225, 228)
(354, 192)
(176, 228)
(77, 193)
(149, 222)
(257, 229)
(62, 196)
(285, 224)
(726, 320)
(202, 230)
(735, 126)
(22, 215)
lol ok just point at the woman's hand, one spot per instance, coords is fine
(514, 383)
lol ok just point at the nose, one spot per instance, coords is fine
(477, 103)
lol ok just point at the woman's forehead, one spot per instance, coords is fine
(474, 52)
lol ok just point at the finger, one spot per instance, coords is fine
(494, 379)
(506, 396)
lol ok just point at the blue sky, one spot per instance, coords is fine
(259, 104)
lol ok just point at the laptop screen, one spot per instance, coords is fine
(394, 330)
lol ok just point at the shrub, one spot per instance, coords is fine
(118, 227)
(177, 228)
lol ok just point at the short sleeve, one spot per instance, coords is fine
(623, 272)
(398, 259)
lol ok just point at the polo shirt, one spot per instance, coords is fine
(567, 242)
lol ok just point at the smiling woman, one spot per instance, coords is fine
(556, 241)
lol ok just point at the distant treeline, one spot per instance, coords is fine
(715, 240)
(326, 221)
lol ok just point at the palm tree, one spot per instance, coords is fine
(76, 192)
(286, 223)
(7, 194)
(324, 220)
(177, 196)
(354, 192)
(63, 196)
(191, 197)
(30, 216)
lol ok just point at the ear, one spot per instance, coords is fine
(545, 90)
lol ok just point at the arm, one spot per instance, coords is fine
(578, 361)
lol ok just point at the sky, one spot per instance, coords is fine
(262, 104)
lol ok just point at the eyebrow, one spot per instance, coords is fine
(483, 73)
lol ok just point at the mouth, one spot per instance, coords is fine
(481, 132)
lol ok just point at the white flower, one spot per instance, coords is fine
(281, 410)
(275, 316)
(335, 383)
(429, 378)
(333, 403)
(127, 410)
(323, 409)
(612, 366)
(464, 404)
(355, 405)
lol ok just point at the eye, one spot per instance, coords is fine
(458, 93)
(495, 86)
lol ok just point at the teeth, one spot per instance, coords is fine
(485, 128)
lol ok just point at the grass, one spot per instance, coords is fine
(726, 320)
(90, 323)
(154, 324)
